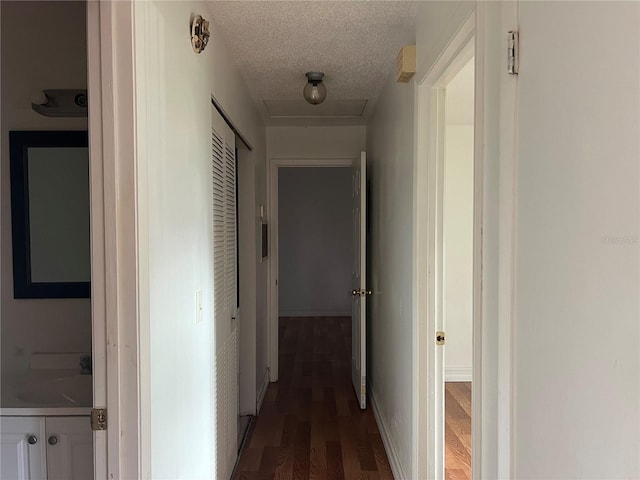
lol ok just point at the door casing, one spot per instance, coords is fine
(119, 451)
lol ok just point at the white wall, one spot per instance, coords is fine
(318, 142)
(247, 227)
(174, 94)
(458, 251)
(390, 153)
(577, 284)
(315, 241)
(54, 57)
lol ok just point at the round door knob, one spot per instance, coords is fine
(355, 293)
(32, 439)
(53, 440)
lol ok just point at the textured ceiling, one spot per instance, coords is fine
(354, 43)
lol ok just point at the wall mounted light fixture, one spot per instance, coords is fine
(199, 33)
(314, 91)
(61, 103)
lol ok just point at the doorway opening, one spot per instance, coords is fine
(48, 361)
(457, 268)
(315, 257)
(309, 278)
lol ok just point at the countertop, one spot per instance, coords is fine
(45, 411)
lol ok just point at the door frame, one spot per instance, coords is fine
(275, 163)
(428, 374)
(495, 186)
(116, 336)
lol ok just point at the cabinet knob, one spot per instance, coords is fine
(32, 439)
(52, 440)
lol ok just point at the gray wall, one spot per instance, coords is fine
(315, 245)
(54, 57)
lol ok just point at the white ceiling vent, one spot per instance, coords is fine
(327, 109)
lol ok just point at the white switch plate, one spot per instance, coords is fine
(199, 307)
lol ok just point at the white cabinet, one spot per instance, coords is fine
(69, 448)
(46, 448)
(22, 451)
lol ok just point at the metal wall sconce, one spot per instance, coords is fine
(199, 33)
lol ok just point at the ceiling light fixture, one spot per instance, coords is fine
(314, 91)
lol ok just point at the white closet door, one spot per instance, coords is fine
(224, 294)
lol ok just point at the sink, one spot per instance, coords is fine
(61, 391)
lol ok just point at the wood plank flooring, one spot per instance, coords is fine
(310, 425)
(457, 430)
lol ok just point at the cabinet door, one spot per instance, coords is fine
(22, 448)
(69, 448)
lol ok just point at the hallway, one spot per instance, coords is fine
(310, 426)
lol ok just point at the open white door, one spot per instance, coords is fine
(358, 280)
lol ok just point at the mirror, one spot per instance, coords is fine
(50, 208)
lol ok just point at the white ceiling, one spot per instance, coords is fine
(355, 43)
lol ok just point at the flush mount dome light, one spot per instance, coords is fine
(314, 91)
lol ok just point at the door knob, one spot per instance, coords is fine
(32, 439)
(360, 293)
(53, 440)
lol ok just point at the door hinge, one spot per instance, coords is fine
(98, 419)
(513, 60)
(440, 338)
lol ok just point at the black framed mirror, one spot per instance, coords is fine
(50, 208)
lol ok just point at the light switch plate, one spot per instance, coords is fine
(199, 307)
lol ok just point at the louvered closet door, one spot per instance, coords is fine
(224, 295)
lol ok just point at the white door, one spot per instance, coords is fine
(224, 296)
(69, 446)
(22, 448)
(358, 280)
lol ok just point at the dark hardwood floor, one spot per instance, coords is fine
(310, 425)
(458, 430)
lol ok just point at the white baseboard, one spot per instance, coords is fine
(300, 313)
(263, 391)
(392, 454)
(458, 374)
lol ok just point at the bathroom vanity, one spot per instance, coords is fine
(46, 443)
(45, 422)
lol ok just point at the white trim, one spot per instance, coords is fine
(263, 391)
(458, 374)
(149, 28)
(428, 409)
(477, 371)
(507, 252)
(101, 440)
(114, 209)
(272, 199)
(389, 447)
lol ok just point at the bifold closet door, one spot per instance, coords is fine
(223, 177)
